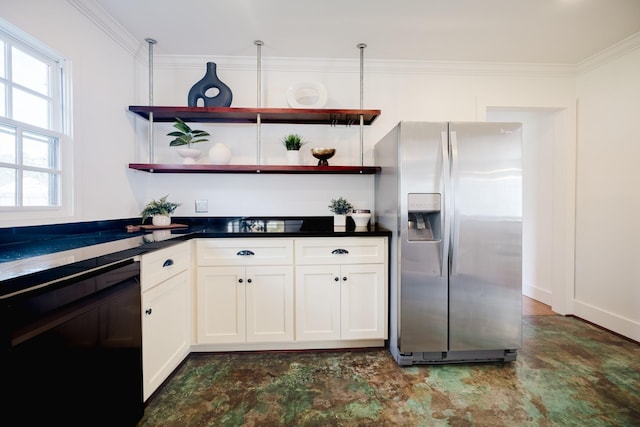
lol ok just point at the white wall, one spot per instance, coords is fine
(401, 90)
(102, 87)
(108, 76)
(607, 289)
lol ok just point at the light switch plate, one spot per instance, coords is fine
(202, 206)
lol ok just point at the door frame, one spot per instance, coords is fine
(563, 200)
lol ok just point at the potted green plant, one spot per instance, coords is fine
(159, 211)
(340, 208)
(293, 142)
(184, 135)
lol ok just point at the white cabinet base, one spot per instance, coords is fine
(293, 345)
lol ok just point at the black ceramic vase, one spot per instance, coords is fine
(210, 81)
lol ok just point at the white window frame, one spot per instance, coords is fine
(59, 127)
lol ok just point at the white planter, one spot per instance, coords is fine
(293, 157)
(160, 235)
(220, 154)
(161, 220)
(339, 220)
(189, 155)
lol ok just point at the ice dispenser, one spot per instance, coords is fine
(424, 216)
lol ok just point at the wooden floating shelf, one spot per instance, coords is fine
(250, 115)
(258, 169)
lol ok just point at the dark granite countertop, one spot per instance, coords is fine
(38, 254)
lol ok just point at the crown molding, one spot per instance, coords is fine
(96, 14)
(618, 50)
(246, 63)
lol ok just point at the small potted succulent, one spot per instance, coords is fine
(293, 142)
(184, 135)
(159, 211)
(340, 208)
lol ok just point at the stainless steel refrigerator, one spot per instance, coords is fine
(451, 193)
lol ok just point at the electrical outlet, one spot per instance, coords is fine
(202, 206)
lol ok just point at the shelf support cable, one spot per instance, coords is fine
(361, 46)
(259, 44)
(151, 42)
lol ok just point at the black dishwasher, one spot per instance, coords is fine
(72, 350)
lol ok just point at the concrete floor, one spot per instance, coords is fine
(568, 373)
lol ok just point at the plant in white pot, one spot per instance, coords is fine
(340, 208)
(293, 142)
(159, 211)
(184, 135)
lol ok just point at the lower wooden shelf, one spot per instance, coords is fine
(272, 169)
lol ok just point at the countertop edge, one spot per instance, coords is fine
(24, 281)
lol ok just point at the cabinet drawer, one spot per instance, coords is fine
(344, 250)
(258, 251)
(160, 265)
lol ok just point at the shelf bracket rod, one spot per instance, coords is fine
(361, 46)
(151, 42)
(259, 44)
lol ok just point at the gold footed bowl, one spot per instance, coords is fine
(323, 155)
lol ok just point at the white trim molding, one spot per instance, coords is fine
(619, 49)
(96, 14)
(612, 321)
(246, 63)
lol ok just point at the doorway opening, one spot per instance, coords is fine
(539, 136)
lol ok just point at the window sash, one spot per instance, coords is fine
(32, 151)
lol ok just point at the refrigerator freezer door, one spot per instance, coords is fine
(485, 284)
(423, 307)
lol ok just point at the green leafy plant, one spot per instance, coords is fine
(158, 207)
(340, 206)
(185, 135)
(293, 141)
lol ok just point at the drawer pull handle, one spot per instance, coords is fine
(344, 279)
(249, 280)
(168, 263)
(339, 251)
(245, 252)
(148, 311)
(239, 280)
(337, 279)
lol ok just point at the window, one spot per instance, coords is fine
(32, 138)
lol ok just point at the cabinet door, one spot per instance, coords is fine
(269, 304)
(221, 305)
(166, 329)
(317, 302)
(362, 301)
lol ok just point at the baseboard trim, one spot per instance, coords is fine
(538, 294)
(611, 322)
(298, 345)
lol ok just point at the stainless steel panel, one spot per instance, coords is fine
(386, 214)
(455, 286)
(485, 286)
(423, 286)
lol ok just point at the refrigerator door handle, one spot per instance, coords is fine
(444, 220)
(455, 232)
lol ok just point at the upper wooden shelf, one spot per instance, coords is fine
(250, 115)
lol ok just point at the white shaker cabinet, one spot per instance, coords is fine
(166, 313)
(341, 288)
(244, 291)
